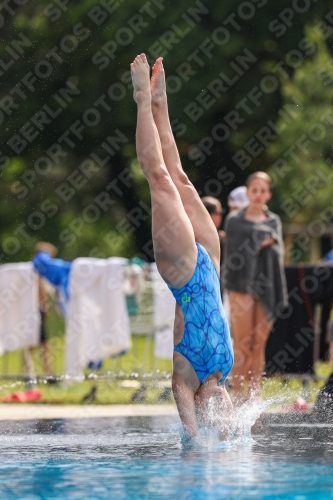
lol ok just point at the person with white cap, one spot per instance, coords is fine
(237, 199)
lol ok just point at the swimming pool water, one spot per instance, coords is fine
(143, 458)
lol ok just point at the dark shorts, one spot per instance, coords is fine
(42, 331)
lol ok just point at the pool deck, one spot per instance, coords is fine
(41, 411)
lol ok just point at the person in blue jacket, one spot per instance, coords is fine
(56, 271)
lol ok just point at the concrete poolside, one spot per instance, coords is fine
(40, 411)
(44, 411)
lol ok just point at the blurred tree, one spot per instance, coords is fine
(302, 158)
(69, 173)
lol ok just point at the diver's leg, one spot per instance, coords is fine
(204, 229)
(262, 329)
(173, 237)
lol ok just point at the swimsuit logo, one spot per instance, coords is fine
(186, 298)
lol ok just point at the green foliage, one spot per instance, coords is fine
(206, 39)
(304, 177)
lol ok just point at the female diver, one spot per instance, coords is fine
(187, 253)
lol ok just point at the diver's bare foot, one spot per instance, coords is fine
(140, 79)
(157, 84)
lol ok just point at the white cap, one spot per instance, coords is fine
(238, 198)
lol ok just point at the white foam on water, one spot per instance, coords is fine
(221, 427)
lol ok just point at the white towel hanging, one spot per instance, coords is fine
(19, 307)
(97, 323)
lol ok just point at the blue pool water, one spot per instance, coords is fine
(143, 458)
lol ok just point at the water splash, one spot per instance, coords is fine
(246, 415)
(221, 427)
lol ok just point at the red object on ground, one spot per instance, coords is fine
(300, 404)
(22, 397)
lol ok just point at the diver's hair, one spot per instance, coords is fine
(259, 175)
(46, 247)
(212, 204)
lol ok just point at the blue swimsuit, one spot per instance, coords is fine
(206, 342)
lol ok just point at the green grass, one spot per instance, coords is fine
(107, 393)
(139, 359)
(138, 362)
(112, 392)
(287, 391)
